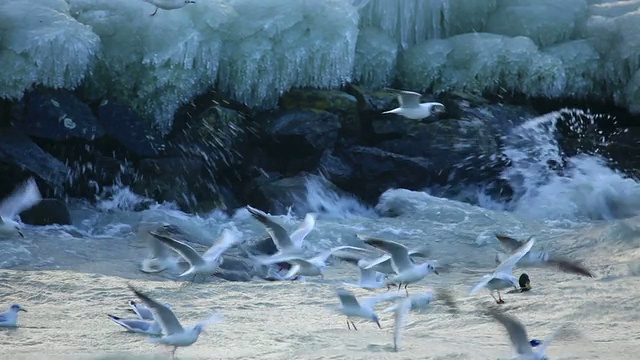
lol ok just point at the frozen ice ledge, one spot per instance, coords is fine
(253, 51)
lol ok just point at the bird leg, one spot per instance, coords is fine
(399, 286)
(348, 325)
(154, 12)
(405, 289)
(173, 352)
(499, 299)
(354, 325)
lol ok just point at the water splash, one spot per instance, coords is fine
(321, 199)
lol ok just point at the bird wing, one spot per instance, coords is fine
(378, 261)
(421, 252)
(374, 300)
(22, 198)
(297, 237)
(323, 256)
(142, 312)
(485, 280)
(517, 332)
(400, 260)
(403, 306)
(186, 251)
(278, 234)
(134, 325)
(227, 239)
(157, 248)
(568, 266)
(347, 299)
(409, 99)
(161, 313)
(507, 265)
(294, 269)
(368, 276)
(508, 243)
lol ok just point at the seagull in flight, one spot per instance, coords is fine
(519, 338)
(542, 258)
(363, 309)
(168, 4)
(210, 261)
(285, 242)
(501, 278)
(411, 108)
(173, 333)
(406, 271)
(23, 197)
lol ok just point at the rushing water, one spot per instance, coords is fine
(69, 278)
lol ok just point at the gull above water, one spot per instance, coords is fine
(411, 108)
(363, 309)
(168, 4)
(542, 258)
(210, 261)
(148, 327)
(173, 333)
(285, 242)
(23, 197)
(159, 257)
(10, 318)
(406, 271)
(501, 278)
(519, 338)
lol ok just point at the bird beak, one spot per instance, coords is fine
(436, 272)
(23, 310)
(378, 322)
(20, 233)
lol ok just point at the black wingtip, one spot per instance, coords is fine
(113, 317)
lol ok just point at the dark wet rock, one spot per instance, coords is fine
(337, 102)
(373, 101)
(335, 169)
(47, 212)
(58, 115)
(16, 148)
(377, 170)
(129, 129)
(300, 137)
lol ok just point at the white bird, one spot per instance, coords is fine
(383, 263)
(284, 242)
(159, 257)
(369, 279)
(10, 318)
(22, 198)
(501, 278)
(208, 263)
(411, 108)
(173, 333)
(301, 265)
(519, 338)
(406, 271)
(363, 309)
(143, 312)
(168, 4)
(542, 258)
(148, 327)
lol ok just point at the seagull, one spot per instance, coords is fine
(313, 266)
(383, 263)
(281, 238)
(168, 4)
(501, 277)
(209, 262)
(519, 338)
(10, 318)
(406, 271)
(137, 325)
(411, 108)
(542, 258)
(143, 312)
(159, 258)
(22, 198)
(363, 309)
(172, 331)
(369, 279)
(414, 302)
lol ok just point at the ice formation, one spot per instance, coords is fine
(253, 51)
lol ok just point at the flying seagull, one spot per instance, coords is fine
(411, 108)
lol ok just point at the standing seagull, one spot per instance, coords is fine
(407, 272)
(168, 4)
(22, 198)
(519, 338)
(172, 331)
(411, 108)
(350, 306)
(501, 278)
(208, 263)
(281, 238)
(10, 318)
(542, 258)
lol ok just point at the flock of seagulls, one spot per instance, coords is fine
(381, 263)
